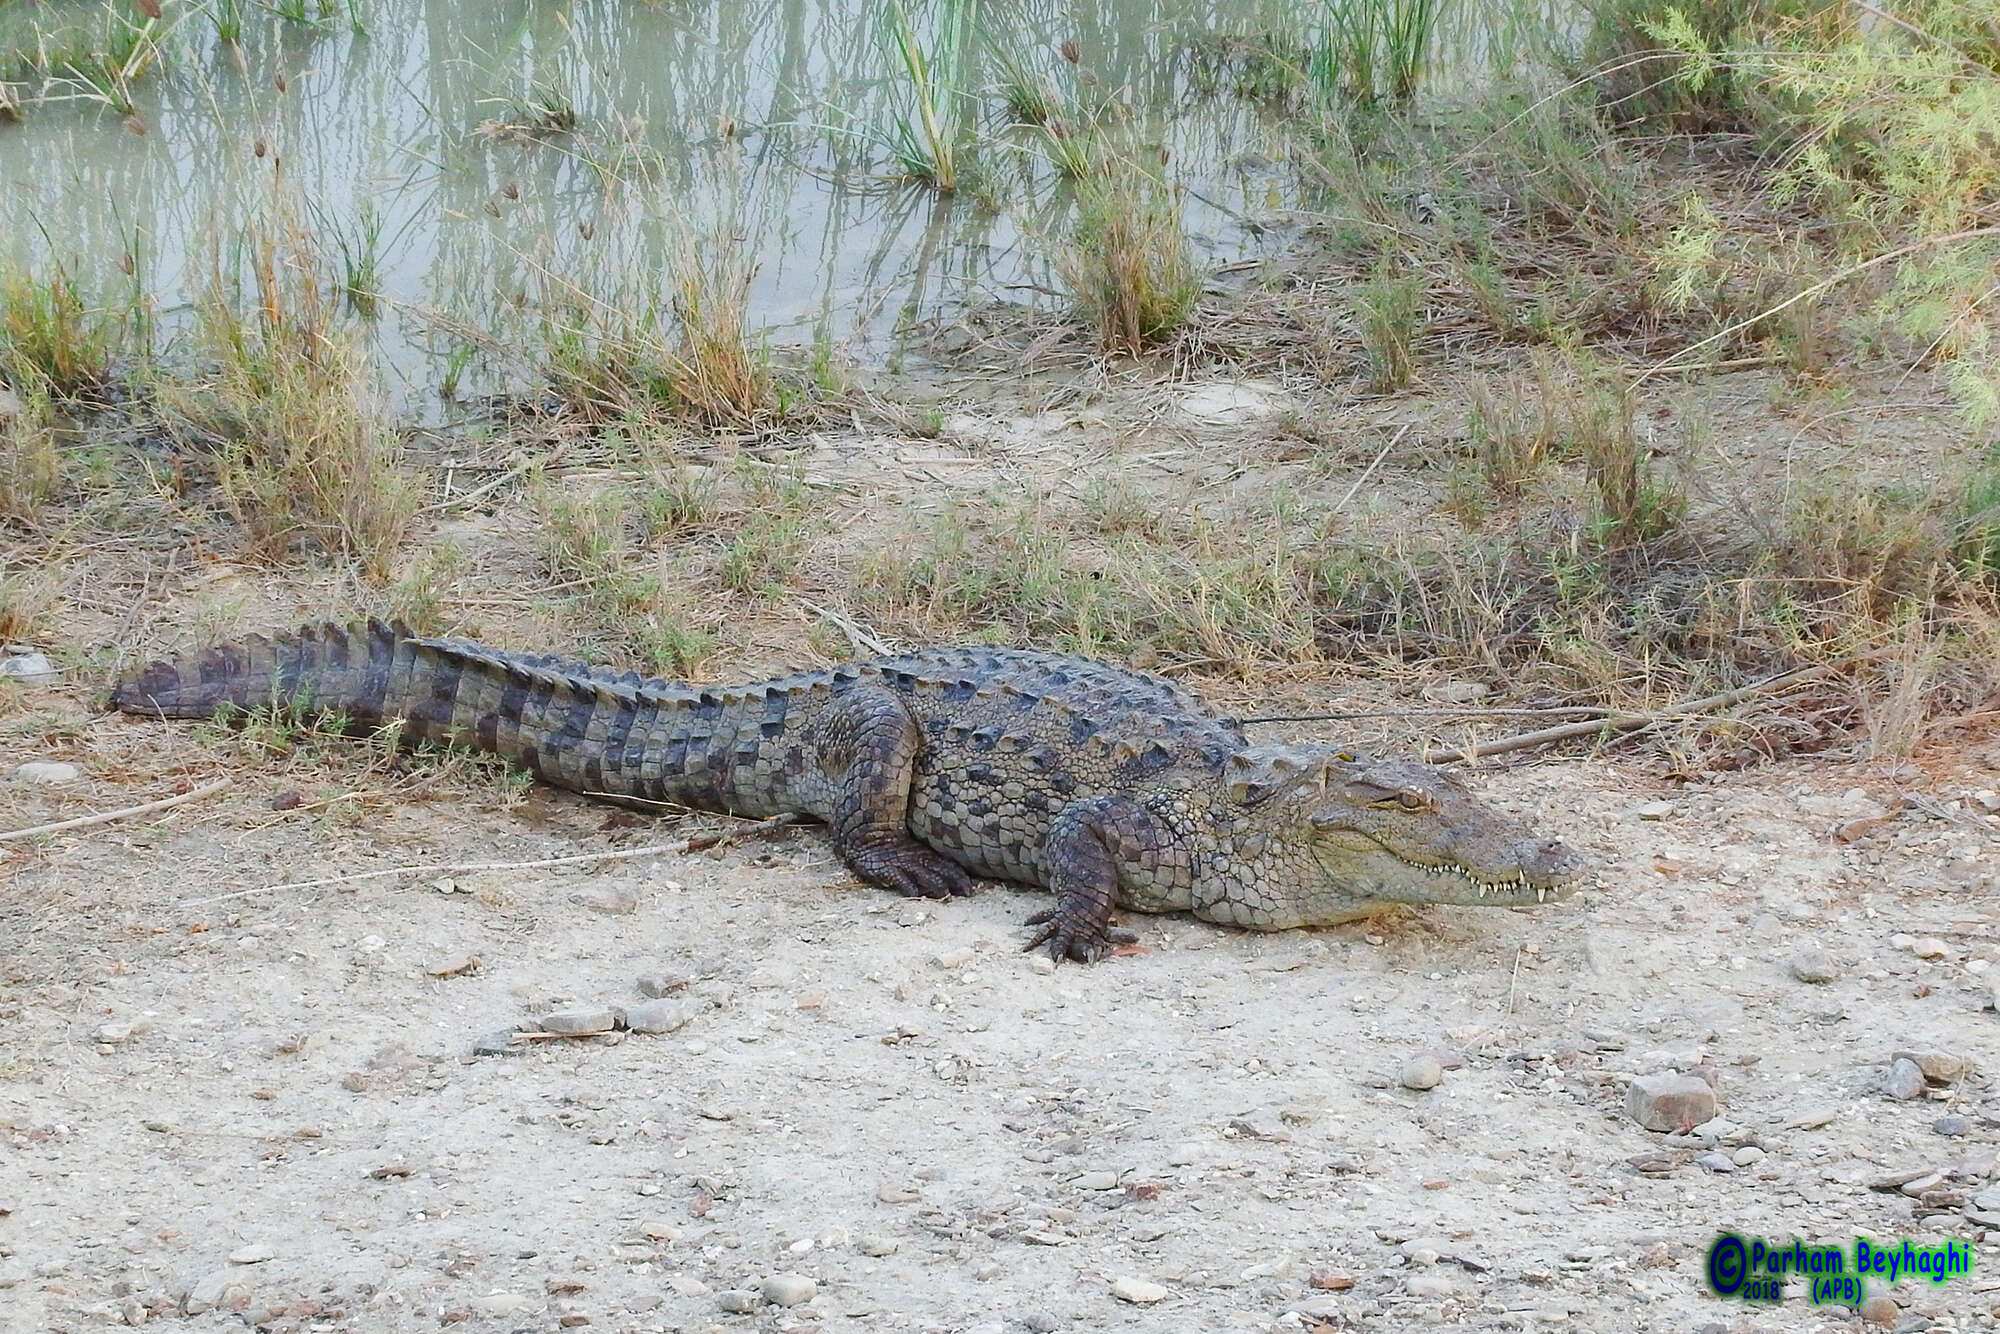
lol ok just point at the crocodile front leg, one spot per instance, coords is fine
(1095, 847)
(866, 744)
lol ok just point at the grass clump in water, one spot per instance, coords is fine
(1129, 269)
(1363, 52)
(679, 344)
(929, 120)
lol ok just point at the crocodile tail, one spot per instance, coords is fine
(319, 670)
(565, 721)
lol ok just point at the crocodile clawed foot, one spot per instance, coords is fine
(914, 872)
(1069, 935)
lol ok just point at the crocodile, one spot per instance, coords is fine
(1110, 787)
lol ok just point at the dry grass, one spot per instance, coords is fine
(30, 464)
(666, 343)
(302, 455)
(51, 336)
(26, 604)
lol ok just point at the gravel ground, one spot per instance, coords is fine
(865, 1113)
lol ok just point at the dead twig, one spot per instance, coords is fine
(1369, 471)
(125, 812)
(695, 844)
(460, 868)
(1556, 711)
(856, 636)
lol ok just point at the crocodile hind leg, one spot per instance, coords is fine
(866, 743)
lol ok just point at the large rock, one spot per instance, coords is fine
(33, 668)
(1669, 1102)
(1939, 1067)
(1904, 1081)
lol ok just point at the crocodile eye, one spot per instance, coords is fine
(1410, 801)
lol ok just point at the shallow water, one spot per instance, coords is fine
(687, 115)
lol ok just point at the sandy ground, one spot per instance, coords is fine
(230, 1098)
(268, 1105)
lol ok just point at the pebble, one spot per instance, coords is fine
(1715, 1162)
(1916, 1186)
(1814, 965)
(1881, 1309)
(497, 1043)
(1904, 1081)
(1097, 1181)
(1654, 810)
(891, 1193)
(579, 1023)
(1041, 963)
(1952, 1126)
(613, 902)
(255, 1253)
(688, 1287)
(877, 1245)
(1430, 1285)
(957, 958)
(114, 1032)
(1332, 1280)
(133, 1312)
(1939, 1067)
(660, 1016)
(34, 668)
(452, 967)
(1457, 692)
(655, 985)
(1425, 1250)
(47, 771)
(499, 1303)
(1748, 1155)
(1139, 1291)
(740, 1301)
(1421, 1072)
(1929, 947)
(1039, 1322)
(1184, 1155)
(789, 1289)
(221, 1290)
(1666, 1102)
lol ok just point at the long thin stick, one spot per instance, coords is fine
(1559, 711)
(618, 855)
(126, 812)
(1626, 722)
(856, 636)
(1369, 471)
(1806, 294)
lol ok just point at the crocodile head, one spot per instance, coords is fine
(1381, 832)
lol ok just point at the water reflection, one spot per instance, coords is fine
(478, 142)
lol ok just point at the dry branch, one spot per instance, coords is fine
(124, 812)
(1616, 724)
